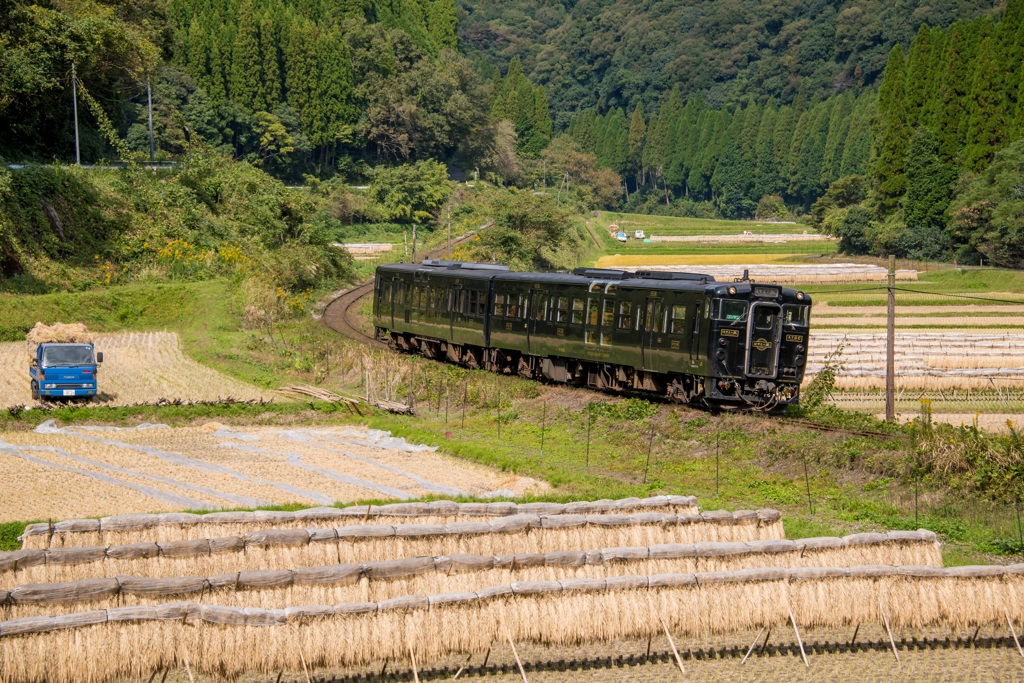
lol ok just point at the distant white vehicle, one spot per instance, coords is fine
(639, 234)
(621, 237)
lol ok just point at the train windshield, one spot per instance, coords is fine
(730, 310)
(796, 316)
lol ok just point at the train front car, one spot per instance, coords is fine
(759, 336)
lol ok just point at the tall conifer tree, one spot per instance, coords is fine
(271, 61)
(637, 138)
(765, 174)
(892, 134)
(986, 110)
(246, 63)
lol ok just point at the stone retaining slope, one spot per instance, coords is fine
(123, 529)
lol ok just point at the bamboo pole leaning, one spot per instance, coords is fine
(383, 580)
(139, 528)
(287, 548)
(137, 641)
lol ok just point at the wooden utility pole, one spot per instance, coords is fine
(890, 347)
(414, 243)
(74, 107)
(449, 232)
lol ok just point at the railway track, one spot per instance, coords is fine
(341, 313)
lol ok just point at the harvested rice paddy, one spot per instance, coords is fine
(104, 471)
(139, 367)
(924, 360)
(672, 261)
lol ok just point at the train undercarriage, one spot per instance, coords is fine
(715, 393)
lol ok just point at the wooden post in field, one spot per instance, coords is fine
(890, 347)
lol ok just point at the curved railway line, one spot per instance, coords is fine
(340, 313)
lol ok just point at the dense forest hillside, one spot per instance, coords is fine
(622, 53)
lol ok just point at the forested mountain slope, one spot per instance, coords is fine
(621, 53)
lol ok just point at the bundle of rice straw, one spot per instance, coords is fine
(57, 333)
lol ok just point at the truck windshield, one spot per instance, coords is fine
(66, 356)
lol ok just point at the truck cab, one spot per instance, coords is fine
(64, 371)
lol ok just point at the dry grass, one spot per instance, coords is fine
(138, 649)
(350, 550)
(936, 360)
(962, 322)
(36, 491)
(138, 368)
(990, 422)
(156, 529)
(675, 260)
(369, 588)
(761, 269)
(191, 462)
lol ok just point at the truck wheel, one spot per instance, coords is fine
(35, 391)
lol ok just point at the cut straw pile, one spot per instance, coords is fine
(383, 580)
(57, 333)
(137, 642)
(286, 548)
(280, 596)
(125, 529)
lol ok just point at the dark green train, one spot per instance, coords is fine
(682, 335)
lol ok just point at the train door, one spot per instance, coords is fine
(698, 313)
(395, 288)
(538, 309)
(652, 332)
(764, 331)
(454, 309)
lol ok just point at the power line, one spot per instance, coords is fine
(962, 296)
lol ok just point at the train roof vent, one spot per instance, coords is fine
(603, 273)
(672, 275)
(463, 265)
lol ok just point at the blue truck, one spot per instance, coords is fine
(64, 370)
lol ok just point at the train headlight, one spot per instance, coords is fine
(799, 360)
(721, 354)
(723, 341)
(800, 348)
(732, 291)
(800, 296)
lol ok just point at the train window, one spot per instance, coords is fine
(608, 317)
(562, 309)
(593, 314)
(499, 305)
(577, 311)
(764, 318)
(796, 316)
(595, 287)
(540, 307)
(678, 324)
(625, 313)
(610, 288)
(511, 308)
(730, 310)
(474, 301)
